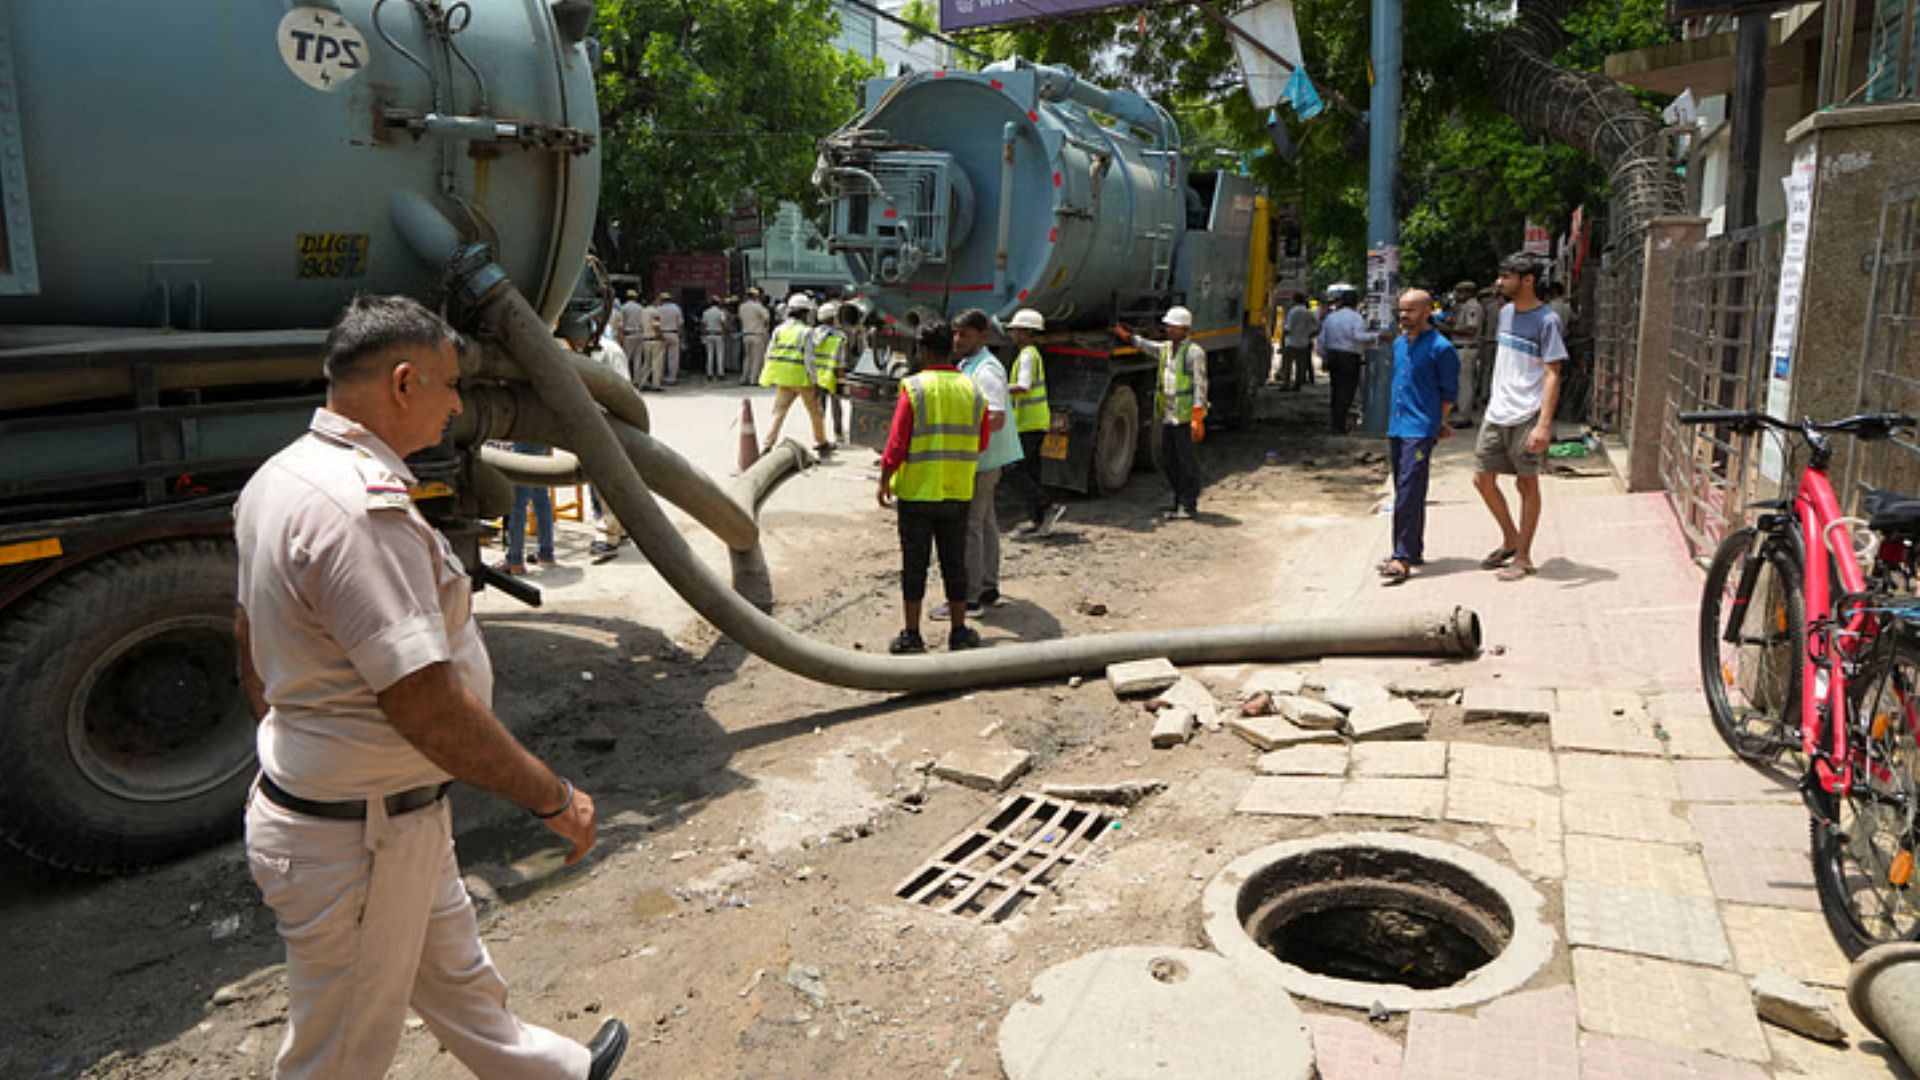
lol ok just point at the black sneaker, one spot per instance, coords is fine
(989, 597)
(965, 637)
(908, 642)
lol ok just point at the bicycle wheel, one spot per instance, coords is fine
(1863, 844)
(1751, 617)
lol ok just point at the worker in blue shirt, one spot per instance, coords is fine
(1426, 380)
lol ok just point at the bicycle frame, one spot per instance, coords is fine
(1823, 682)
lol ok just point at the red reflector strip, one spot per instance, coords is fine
(1033, 115)
(940, 73)
(1075, 350)
(1023, 294)
(1056, 180)
(996, 84)
(1053, 235)
(982, 287)
(890, 212)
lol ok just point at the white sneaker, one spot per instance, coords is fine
(1052, 517)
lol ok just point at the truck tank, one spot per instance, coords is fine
(1002, 189)
(232, 166)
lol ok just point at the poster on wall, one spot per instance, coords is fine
(1786, 311)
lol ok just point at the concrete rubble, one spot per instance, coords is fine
(990, 767)
(1122, 793)
(1781, 999)
(1135, 677)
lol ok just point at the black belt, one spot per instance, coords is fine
(353, 809)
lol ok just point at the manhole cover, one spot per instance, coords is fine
(991, 870)
(1368, 918)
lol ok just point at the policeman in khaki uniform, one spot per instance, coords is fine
(360, 653)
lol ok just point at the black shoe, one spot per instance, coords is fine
(989, 597)
(823, 449)
(964, 638)
(907, 643)
(607, 1046)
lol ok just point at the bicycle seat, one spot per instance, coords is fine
(1893, 513)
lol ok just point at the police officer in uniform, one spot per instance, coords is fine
(361, 655)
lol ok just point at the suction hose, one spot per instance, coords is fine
(1883, 990)
(508, 318)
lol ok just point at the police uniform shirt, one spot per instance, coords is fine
(347, 590)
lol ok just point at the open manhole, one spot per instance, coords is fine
(1375, 918)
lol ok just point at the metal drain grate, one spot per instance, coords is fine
(992, 870)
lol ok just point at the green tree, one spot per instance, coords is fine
(702, 100)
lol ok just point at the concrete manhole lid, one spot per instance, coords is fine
(1366, 919)
(1140, 1011)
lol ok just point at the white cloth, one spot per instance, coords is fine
(1528, 342)
(754, 318)
(713, 321)
(1300, 327)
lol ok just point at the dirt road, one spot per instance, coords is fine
(739, 909)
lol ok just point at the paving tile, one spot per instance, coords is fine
(1419, 759)
(1628, 817)
(1731, 781)
(1484, 802)
(1395, 797)
(1273, 732)
(1863, 1056)
(1513, 704)
(1311, 760)
(1520, 1037)
(1275, 681)
(1614, 1057)
(1693, 1008)
(1291, 796)
(1611, 702)
(1501, 764)
(1760, 875)
(1688, 727)
(1601, 731)
(1141, 676)
(1392, 719)
(1796, 942)
(1345, 1049)
(1627, 918)
(1309, 713)
(1668, 868)
(1173, 726)
(1763, 825)
(1349, 692)
(1618, 774)
(1536, 851)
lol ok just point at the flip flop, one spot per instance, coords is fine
(1497, 558)
(1516, 572)
(1395, 572)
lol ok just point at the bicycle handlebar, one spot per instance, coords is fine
(1863, 426)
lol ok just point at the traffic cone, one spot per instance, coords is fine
(749, 438)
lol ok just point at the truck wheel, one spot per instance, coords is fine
(1251, 363)
(125, 735)
(1115, 438)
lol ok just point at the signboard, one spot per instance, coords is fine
(973, 14)
(1786, 311)
(745, 224)
(1538, 240)
(680, 275)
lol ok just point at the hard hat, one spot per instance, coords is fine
(1178, 316)
(1028, 319)
(799, 302)
(828, 312)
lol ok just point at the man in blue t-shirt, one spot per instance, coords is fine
(1517, 426)
(1426, 380)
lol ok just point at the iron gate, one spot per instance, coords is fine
(1616, 339)
(1890, 364)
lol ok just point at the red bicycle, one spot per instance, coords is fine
(1810, 645)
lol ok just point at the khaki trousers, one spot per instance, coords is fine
(783, 400)
(652, 369)
(754, 347)
(375, 919)
(983, 535)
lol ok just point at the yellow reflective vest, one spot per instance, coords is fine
(787, 356)
(829, 348)
(1030, 410)
(1180, 358)
(944, 451)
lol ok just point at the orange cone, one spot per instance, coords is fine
(749, 438)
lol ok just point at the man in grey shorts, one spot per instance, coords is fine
(1517, 427)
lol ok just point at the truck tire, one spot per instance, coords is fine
(1251, 362)
(125, 735)
(1116, 435)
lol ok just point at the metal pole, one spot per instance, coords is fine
(1749, 107)
(1383, 227)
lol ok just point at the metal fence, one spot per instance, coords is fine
(1890, 364)
(1616, 340)
(1724, 294)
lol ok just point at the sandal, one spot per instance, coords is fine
(1498, 558)
(1396, 572)
(1516, 572)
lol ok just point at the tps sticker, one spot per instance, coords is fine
(321, 47)
(333, 255)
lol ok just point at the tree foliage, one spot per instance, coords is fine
(702, 100)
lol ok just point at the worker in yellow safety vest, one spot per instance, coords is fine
(1179, 404)
(933, 450)
(1031, 418)
(827, 352)
(789, 370)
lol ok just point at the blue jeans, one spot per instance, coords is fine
(1412, 465)
(542, 500)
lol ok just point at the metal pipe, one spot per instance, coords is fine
(1008, 133)
(557, 469)
(1883, 990)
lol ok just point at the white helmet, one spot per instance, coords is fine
(1178, 316)
(799, 302)
(1027, 319)
(827, 313)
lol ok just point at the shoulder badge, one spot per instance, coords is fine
(385, 491)
(387, 497)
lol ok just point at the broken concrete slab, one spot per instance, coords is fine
(1290, 796)
(1394, 718)
(1121, 793)
(1189, 693)
(1275, 681)
(1111, 1012)
(988, 767)
(1274, 732)
(1511, 704)
(1135, 677)
(1412, 759)
(1173, 726)
(1781, 999)
(1315, 759)
(1349, 692)
(1308, 713)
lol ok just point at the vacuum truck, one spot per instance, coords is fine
(1024, 186)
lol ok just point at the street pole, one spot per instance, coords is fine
(1383, 227)
(1749, 108)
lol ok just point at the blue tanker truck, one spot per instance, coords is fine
(190, 192)
(1024, 186)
